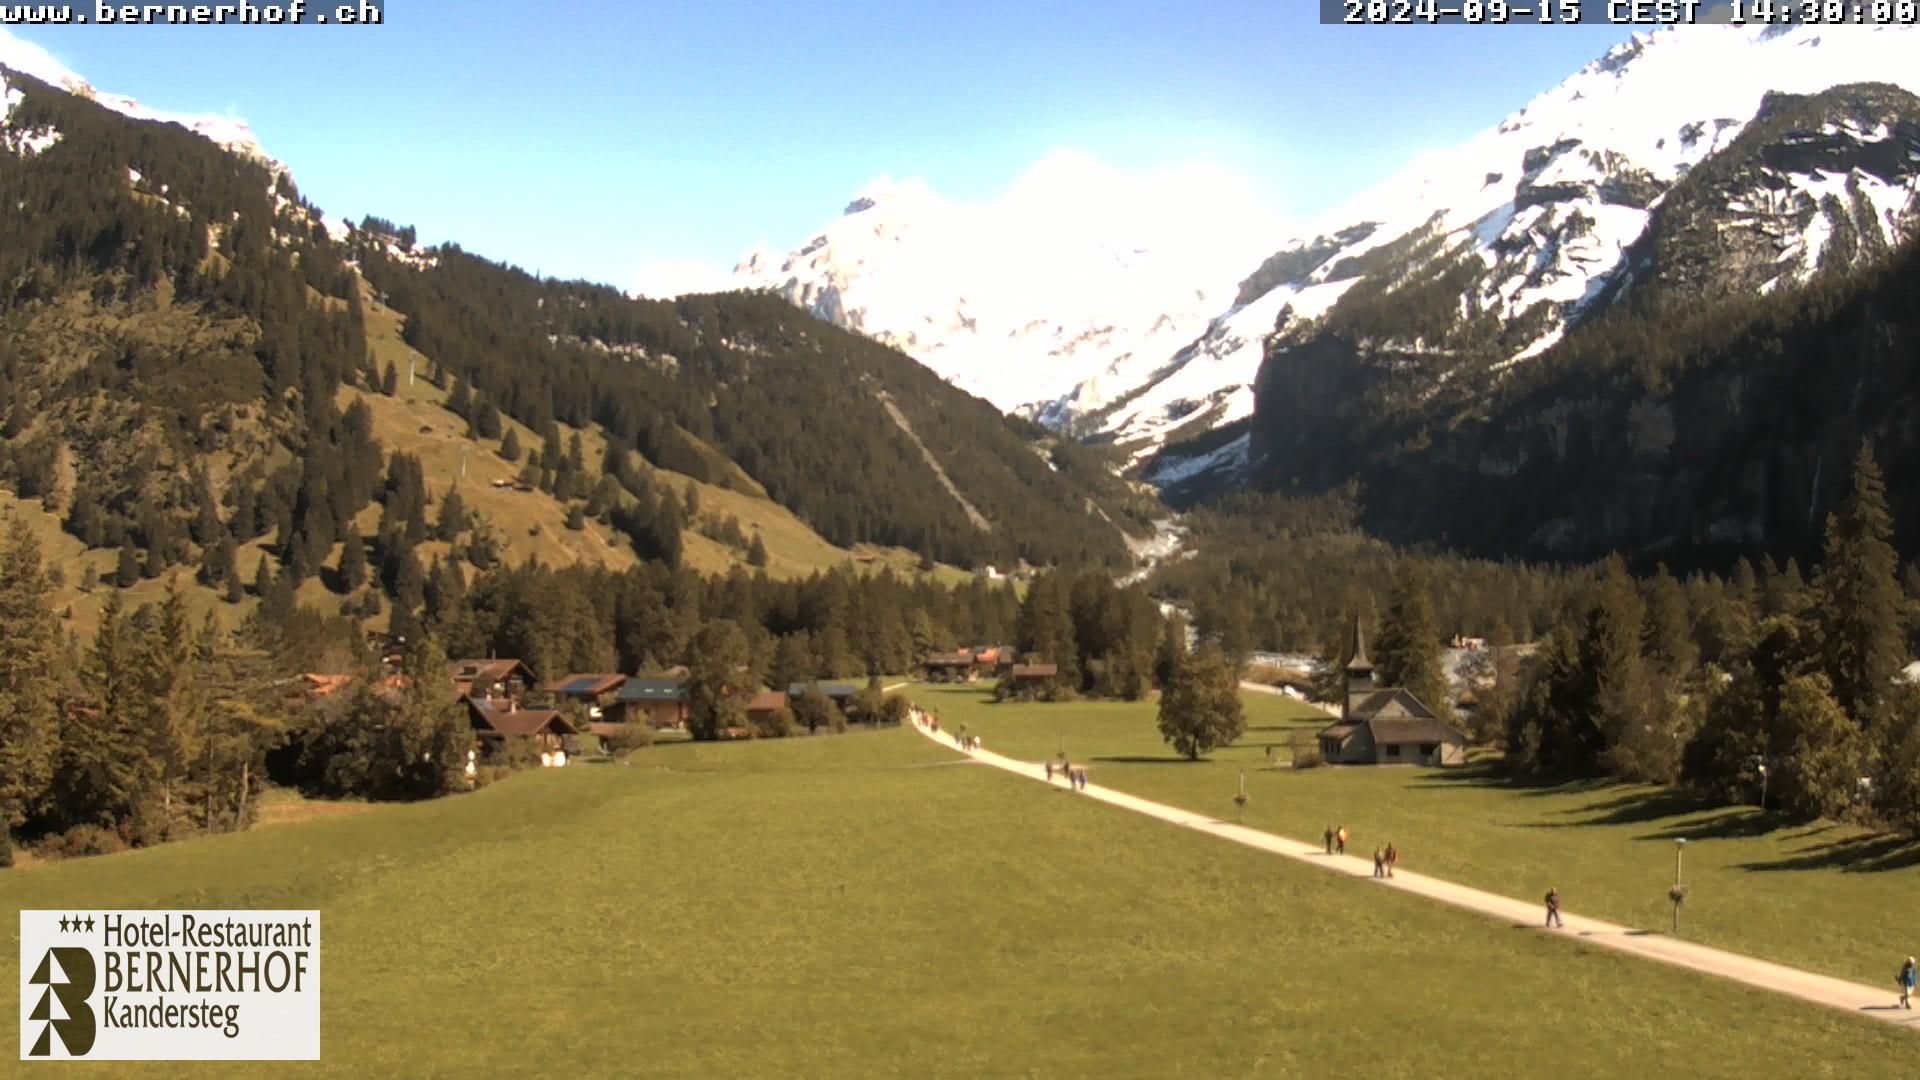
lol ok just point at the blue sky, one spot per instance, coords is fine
(601, 139)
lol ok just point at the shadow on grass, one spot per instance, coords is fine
(1144, 759)
(1859, 854)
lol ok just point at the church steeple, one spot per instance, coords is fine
(1359, 669)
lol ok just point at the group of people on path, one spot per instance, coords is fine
(1076, 778)
(1384, 860)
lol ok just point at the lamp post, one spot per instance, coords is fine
(1763, 787)
(1679, 887)
(1240, 800)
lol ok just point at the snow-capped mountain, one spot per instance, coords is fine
(1077, 282)
(28, 58)
(1539, 219)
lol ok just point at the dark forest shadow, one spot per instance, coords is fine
(1860, 854)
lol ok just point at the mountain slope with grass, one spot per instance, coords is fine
(202, 375)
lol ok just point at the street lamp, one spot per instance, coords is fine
(1763, 786)
(1679, 890)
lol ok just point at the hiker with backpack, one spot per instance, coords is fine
(1906, 979)
(1553, 908)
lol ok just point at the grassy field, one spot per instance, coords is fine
(863, 905)
(1820, 896)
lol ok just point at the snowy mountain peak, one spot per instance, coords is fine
(27, 58)
(1076, 267)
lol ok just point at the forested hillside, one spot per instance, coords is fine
(193, 365)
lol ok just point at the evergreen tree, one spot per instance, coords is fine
(1170, 652)
(171, 712)
(576, 517)
(127, 573)
(390, 381)
(715, 696)
(1202, 709)
(453, 516)
(30, 665)
(757, 552)
(792, 661)
(510, 446)
(1668, 633)
(103, 765)
(353, 562)
(262, 576)
(1407, 651)
(1859, 611)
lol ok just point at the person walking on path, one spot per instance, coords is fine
(1553, 907)
(1907, 978)
(1393, 856)
(1340, 840)
(1049, 770)
(1379, 863)
(1329, 839)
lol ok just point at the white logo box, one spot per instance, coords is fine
(147, 985)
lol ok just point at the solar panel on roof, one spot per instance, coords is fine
(580, 686)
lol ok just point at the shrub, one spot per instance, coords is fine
(83, 840)
(897, 709)
(777, 724)
(631, 737)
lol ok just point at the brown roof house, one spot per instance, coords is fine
(501, 678)
(659, 702)
(950, 667)
(495, 722)
(596, 692)
(1386, 725)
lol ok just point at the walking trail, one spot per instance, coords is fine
(1878, 1003)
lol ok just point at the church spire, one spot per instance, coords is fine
(1359, 664)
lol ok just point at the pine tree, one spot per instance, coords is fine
(353, 562)
(29, 678)
(103, 762)
(1407, 651)
(262, 576)
(576, 517)
(792, 661)
(510, 446)
(390, 381)
(127, 573)
(171, 708)
(1859, 609)
(453, 516)
(1668, 633)
(757, 552)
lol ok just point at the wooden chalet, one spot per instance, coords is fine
(1386, 725)
(950, 667)
(497, 721)
(504, 679)
(661, 703)
(596, 692)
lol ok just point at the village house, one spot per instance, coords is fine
(762, 706)
(949, 667)
(1386, 725)
(494, 722)
(840, 694)
(507, 680)
(597, 693)
(661, 703)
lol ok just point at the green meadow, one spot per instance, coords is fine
(1820, 896)
(867, 905)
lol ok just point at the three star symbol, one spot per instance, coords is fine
(75, 924)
